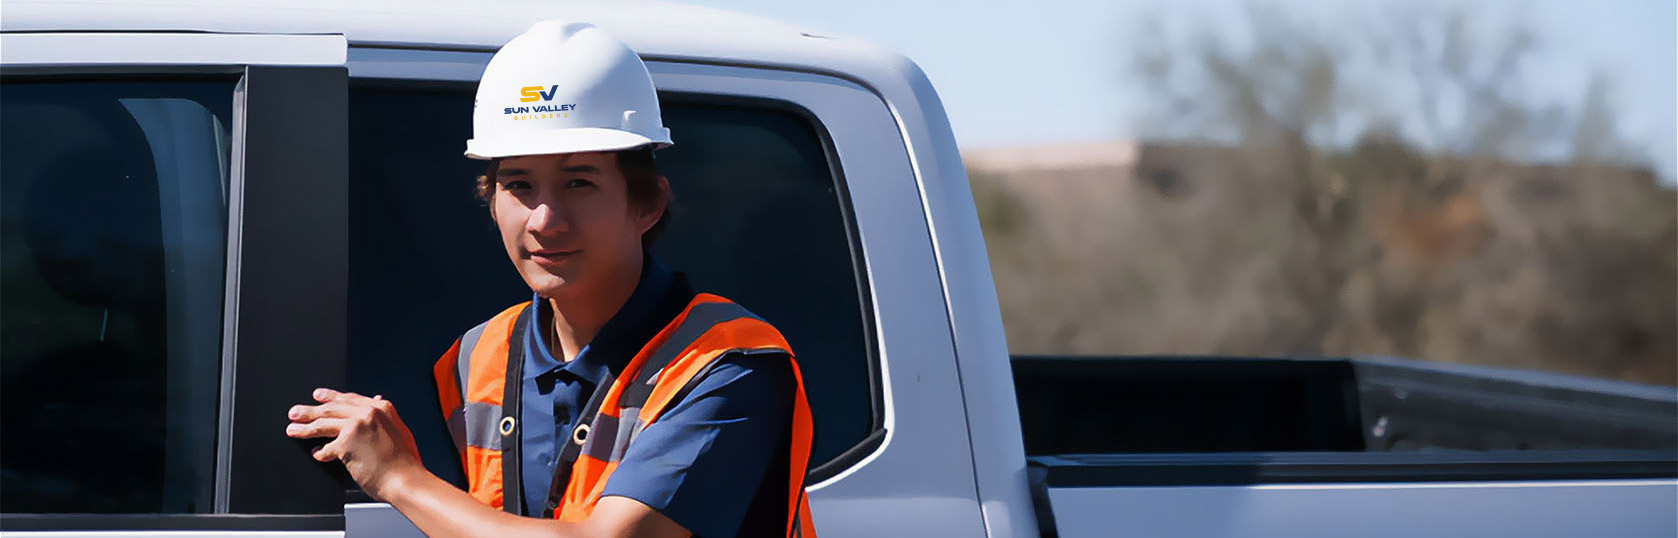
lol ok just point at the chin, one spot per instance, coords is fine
(549, 285)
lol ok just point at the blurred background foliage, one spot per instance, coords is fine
(1379, 188)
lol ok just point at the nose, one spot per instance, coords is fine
(546, 220)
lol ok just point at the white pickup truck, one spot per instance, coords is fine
(210, 208)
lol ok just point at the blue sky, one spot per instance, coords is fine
(1053, 71)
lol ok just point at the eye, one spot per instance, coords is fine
(517, 185)
(579, 184)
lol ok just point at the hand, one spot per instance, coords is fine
(369, 438)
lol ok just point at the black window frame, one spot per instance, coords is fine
(283, 328)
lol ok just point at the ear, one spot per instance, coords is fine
(486, 192)
(656, 211)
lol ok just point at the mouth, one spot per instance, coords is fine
(552, 256)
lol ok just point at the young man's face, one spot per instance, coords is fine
(567, 220)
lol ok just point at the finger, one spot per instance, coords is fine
(377, 404)
(309, 413)
(324, 394)
(349, 397)
(326, 427)
(328, 452)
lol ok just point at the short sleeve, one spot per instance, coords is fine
(702, 462)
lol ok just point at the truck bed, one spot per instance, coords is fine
(1217, 446)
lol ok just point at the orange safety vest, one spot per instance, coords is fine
(474, 381)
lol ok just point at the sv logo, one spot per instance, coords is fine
(531, 93)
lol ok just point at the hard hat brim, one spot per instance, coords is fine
(574, 140)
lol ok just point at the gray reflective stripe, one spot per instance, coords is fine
(481, 422)
(463, 364)
(457, 420)
(608, 439)
(457, 429)
(620, 442)
(601, 435)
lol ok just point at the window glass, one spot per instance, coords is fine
(113, 198)
(757, 218)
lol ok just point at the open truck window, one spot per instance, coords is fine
(758, 217)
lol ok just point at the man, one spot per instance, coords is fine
(617, 402)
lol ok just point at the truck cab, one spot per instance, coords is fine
(305, 218)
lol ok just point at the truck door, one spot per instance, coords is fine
(794, 195)
(174, 270)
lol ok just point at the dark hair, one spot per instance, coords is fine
(640, 174)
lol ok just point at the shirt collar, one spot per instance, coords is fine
(636, 322)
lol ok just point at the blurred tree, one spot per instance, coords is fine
(1366, 188)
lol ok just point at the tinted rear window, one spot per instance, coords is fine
(114, 200)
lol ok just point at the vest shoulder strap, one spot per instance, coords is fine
(705, 314)
(512, 475)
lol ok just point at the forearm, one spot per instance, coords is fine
(379, 453)
(442, 511)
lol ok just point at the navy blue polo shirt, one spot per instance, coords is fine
(715, 462)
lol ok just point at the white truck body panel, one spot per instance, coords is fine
(178, 533)
(1559, 509)
(115, 49)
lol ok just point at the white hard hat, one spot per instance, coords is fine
(564, 88)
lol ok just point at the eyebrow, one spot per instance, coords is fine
(576, 169)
